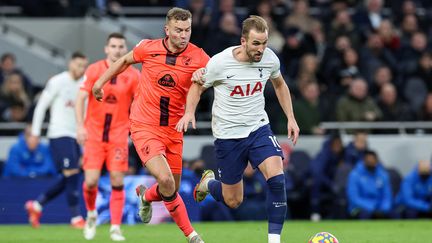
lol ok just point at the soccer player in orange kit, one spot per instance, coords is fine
(167, 68)
(104, 134)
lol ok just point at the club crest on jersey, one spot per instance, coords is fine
(186, 60)
(247, 90)
(167, 79)
(111, 99)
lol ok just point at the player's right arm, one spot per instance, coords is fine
(47, 96)
(79, 114)
(119, 66)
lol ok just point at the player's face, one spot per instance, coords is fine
(179, 33)
(77, 67)
(115, 48)
(255, 44)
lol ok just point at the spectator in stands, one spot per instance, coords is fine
(411, 54)
(382, 76)
(276, 40)
(308, 109)
(374, 55)
(300, 17)
(201, 16)
(254, 204)
(408, 27)
(8, 67)
(425, 113)
(369, 190)
(391, 107)
(424, 70)
(356, 149)
(13, 97)
(332, 61)
(389, 36)
(369, 19)
(227, 35)
(29, 158)
(347, 72)
(323, 169)
(357, 105)
(342, 25)
(416, 191)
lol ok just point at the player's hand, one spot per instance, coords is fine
(183, 124)
(97, 92)
(81, 134)
(293, 130)
(198, 76)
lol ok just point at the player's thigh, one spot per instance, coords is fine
(265, 152)
(94, 155)
(159, 168)
(148, 145)
(232, 158)
(91, 177)
(117, 157)
(65, 152)
(174, 154)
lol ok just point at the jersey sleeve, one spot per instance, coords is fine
(140, 51)
(213, 72)
(47, 96)
(204, 58)
(275, 71)
(89, 79)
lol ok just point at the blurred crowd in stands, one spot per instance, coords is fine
(358, 60)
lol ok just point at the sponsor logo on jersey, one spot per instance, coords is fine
(247, 90)
(167, 81)
(111, 99)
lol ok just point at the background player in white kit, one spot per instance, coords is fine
(240, 123)
(59, 96)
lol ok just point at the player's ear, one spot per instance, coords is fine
(243, 41)
(166, 30)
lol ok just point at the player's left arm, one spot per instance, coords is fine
(119, 66)
(284, 98)
(192, 100)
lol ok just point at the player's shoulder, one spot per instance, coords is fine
(59, 78)
(270, 54)
(150, 44)
(222, 57)
(97, 65)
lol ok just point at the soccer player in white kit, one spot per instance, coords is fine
(59, 96)
(240, 123)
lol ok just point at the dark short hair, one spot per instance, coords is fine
(178, 14)
(116, 35)
(77, 54)
(371, 153)
(7, 55)
(254, 22)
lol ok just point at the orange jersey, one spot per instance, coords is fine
(108, 121)
(165, 81)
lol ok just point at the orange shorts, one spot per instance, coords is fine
(150, 142)
(114, 154)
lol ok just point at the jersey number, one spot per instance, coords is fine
(275, 142)
(164, 111)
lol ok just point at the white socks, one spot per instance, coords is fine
(273, 238)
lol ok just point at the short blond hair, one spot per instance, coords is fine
(254, 22)
(178, 14)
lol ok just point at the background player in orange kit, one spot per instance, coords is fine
(167, 67)
(104, 134)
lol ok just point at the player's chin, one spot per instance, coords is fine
(257, 58)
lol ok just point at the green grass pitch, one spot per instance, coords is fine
(248, 232)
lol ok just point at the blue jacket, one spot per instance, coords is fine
(25, 163)
(416, 193)
(325, 163)
(352, 155)
(369, 191)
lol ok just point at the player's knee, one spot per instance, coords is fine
(233, 202)
(91, 183)
(276, 183)
(166, 183)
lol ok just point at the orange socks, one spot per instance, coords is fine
(117, 201)
(177, 209)
(90, 197)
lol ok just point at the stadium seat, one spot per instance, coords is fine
(339, 188)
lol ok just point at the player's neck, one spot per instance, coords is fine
(240, 55)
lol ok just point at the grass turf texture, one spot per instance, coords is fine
(248, 232)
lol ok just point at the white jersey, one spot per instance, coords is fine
(59, 95)
(238, 107)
